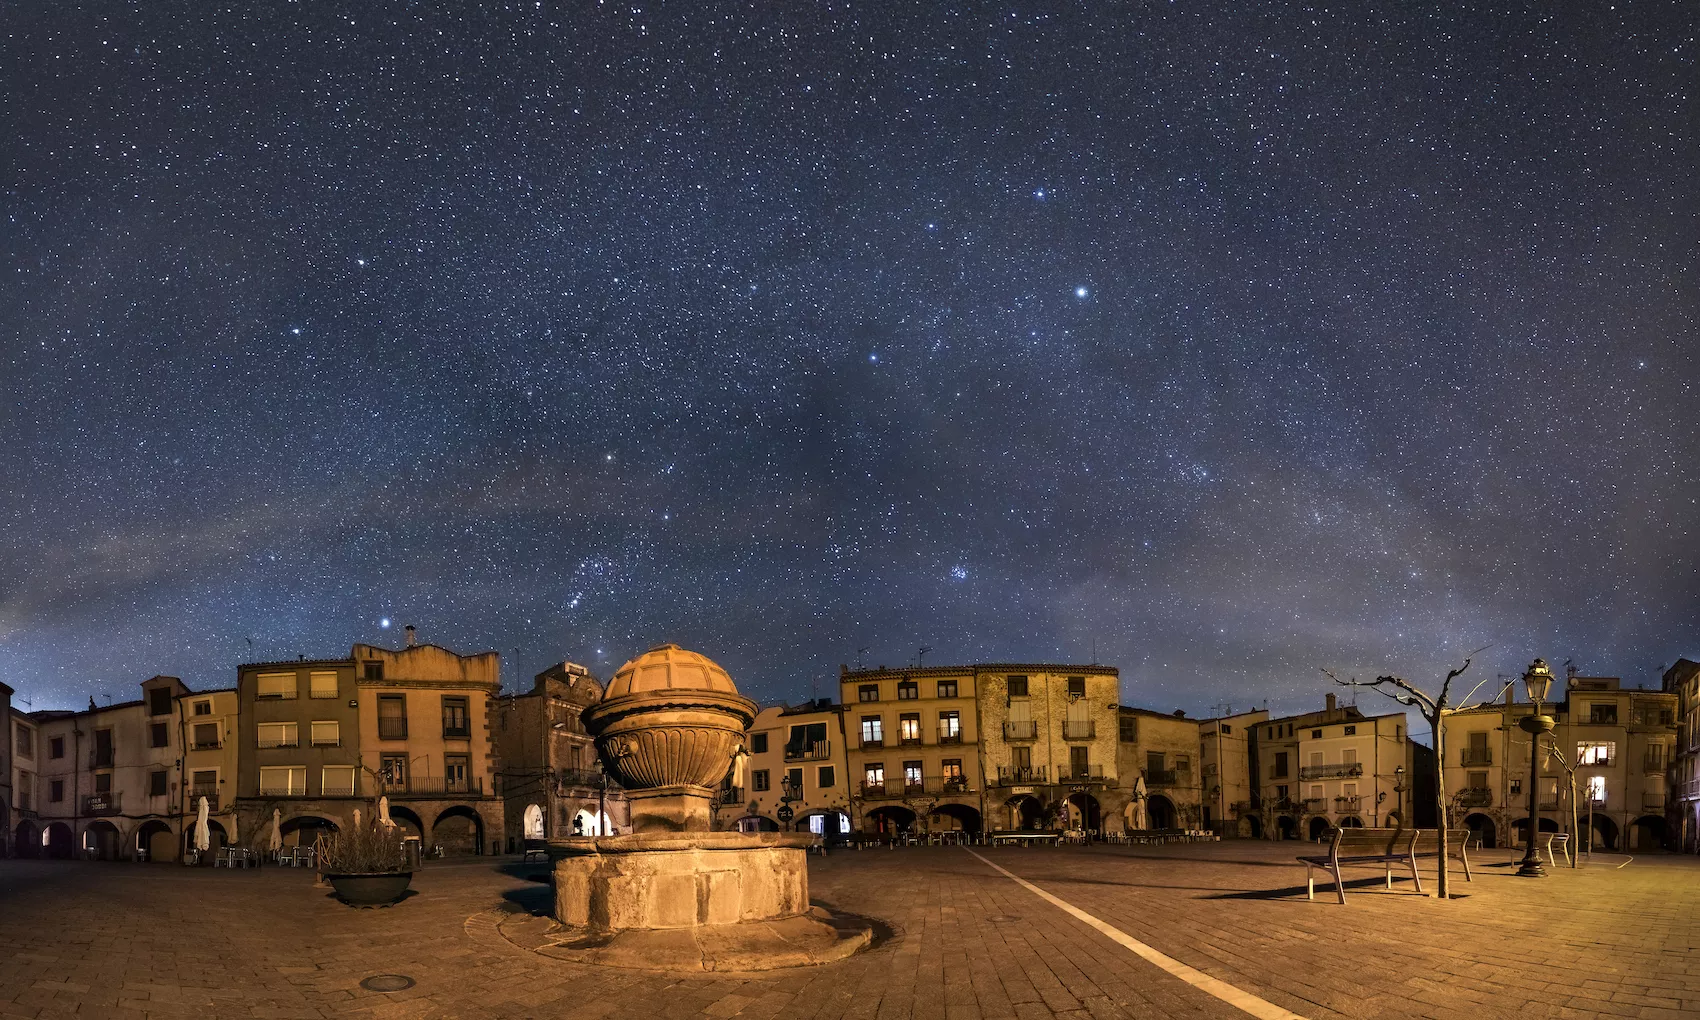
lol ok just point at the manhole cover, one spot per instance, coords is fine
(1002, 918)
(387, 983)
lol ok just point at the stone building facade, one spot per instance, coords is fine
(298, 749)
(1226, 748)
(1623, 743)
(1334, 767)
(1049, 741)
(1163, 750)
(1682, 681)
(551, 782)
(797, 761)
(913, 749)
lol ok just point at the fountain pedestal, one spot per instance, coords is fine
(673, 895)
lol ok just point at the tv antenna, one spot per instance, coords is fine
(859, 653)
(921, 654)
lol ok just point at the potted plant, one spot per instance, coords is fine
(366, 864)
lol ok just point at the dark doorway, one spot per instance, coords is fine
(1162, 812)
(1484, 830)
(1319, 828)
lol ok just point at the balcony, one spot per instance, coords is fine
(293, 741)
(1653, 766)
(1476, 756)
(820, 750)
(882, 791)
(1024, 729)
(1348, 805)
(950, 738)
(1651, 802)
(1345, 770)
(437, 786)
(209, 792)
(392, 729)
(1315, 805)
(1475, 797)
(1080, 773)
(910, 740)
(206, 745)
(584, 779)
(456, 733)
(1022, 775)
(1167, 777)
(949, 786)
(103, 803)
(872, 742)
(1547, 805)
(1080, 729)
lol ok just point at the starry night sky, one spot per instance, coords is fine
(1218, 342)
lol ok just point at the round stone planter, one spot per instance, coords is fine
(376, 890)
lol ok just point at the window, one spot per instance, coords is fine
(1021, 756)
(1655, 759)
(455, 773)
(1316, 734)
(1077, 687)
(274, 685)
(336, 781)
(758, 743)
(908, 690)
(758, 780)
(455, 721)
(1606, 713)
(1271, 733)
(868, 692)
(1478, 780)
(872, 733)
(1280, 766)
(372, 671)
(794, 782)
(947, 688)
(1349, 790)
(1315, 759)
(283, 780)
(25, 742)
(55, 790)
(1078, 764)
(953, 771)
(159, 735)
(156, 783)
(1315, 793)
(1127, 729)
(1183, 763)
(55, 747)
(392, 716)
(912, 775)
(203, 708)
(204, 783)
(159, 701)
(103, 782)
(206, 735)
(103, 749)
(1018, 687)
(278, 734)
(950, 727)
(1153, 762)
(825, 777)
(807, 742)
(1351, 731)
(393, 768)
(325, 733)
(909, 727)
(1516, 787)
(1598, 752)
(1226, 729)
(1348, 756)
(321, 684)
(873, 774)
(1597, 788)
(1282, 792)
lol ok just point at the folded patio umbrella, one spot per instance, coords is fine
(203, 833)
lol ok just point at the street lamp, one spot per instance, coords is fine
(1399, 793)
(1536, 681)
(788, 792)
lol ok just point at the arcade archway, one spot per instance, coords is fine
(1084, 813)
(954, 818)
(26, 840)
(1025, 812)
(1286, 827)
(1605, 833)
(888, 820)
(533, 826)
(301, 830)
(58, 842)
(1161, 811)
(1483, 829)
(1319, 828)
(459, 831)
(1647, 833)
(155, 841)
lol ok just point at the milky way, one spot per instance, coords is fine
(1212, 342)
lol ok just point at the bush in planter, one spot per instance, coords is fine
(365, 864)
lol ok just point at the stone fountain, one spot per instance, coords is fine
(671, 894)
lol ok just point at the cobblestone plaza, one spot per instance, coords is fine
(957, 939)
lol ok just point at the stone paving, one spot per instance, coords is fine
(958, 942)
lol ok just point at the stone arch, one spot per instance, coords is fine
(102, 840)
(532, 826)
(757, 823)
(1286, 827)
(407, 821)
(155, 840)
(297, 830)
(825, 823)
(459, 830)
(1084, 812)
(1252, 826)
(1485, 831)
(1319, 828)
(585, 823)
(1025, 812)
(1161, 812)
(1351, 822)
(888, 820)
(58, 842)
(27, 840)
(1647, 833)
(955, 817)
(1605, 833)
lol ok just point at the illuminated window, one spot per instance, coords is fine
(283, 781)
(274, 685)
(908, 690)
(873, 732)
(1597, 789)
(337, 781)
(947, 688)
(1596, 752)
(321, 684)
(278, 734)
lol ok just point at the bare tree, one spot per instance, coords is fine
(1434, 708)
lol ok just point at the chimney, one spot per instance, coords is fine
(412, 639)
(1333, 702)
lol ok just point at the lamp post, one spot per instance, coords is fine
(1399, 794)
(1536, 681)
(788, 792)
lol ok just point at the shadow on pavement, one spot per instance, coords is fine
(534, 900)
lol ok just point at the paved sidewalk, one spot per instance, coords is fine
(959, 942)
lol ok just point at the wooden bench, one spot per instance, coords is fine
(1386, 847)
(1013, 836)
(536, 849)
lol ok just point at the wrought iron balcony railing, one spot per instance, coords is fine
(437, 786)
(820, 750)
(1080, 773)
(1475, 797)
(1476, 756)
(1167, 777)
(1020, 729)
(392, 729)
(1344, 770)
(103, 803)
(1079, 729)
(1022, 775)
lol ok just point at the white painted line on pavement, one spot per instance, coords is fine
(1236, 997)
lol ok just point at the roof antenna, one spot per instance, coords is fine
(859, 653)
(921, 654)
